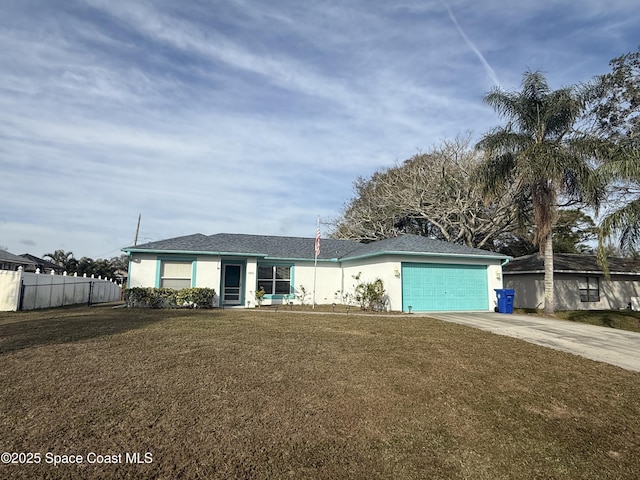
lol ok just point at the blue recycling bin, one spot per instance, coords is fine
(505, 299)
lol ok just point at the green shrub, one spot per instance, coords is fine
(260, 295)
(371, 295)
(169, 298)
(195, 297)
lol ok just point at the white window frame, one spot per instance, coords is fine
(273, 280)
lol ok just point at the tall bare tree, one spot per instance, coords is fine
(434, 194)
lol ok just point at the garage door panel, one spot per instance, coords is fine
(437, 287)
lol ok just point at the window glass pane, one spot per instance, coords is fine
(282, 273)
(594, 289)
(283, 287)
(589, 289)
(232, 276)
(275, 279)
(176, 283)
(265, 272)
(176, 269)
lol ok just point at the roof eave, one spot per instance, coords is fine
(193, 252)
(426, 254)
(299, 259)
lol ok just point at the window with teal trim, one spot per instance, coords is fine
(175, 274)
(274, 279)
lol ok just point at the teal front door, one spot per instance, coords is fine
(441, 287)
(232, 284)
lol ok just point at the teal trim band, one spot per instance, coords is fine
(178, 258)
(158, 270)
(279, 296)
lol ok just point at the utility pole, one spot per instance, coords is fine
(135, 242)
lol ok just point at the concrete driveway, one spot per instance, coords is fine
(617, 347)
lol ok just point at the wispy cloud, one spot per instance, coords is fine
(240, 116)
(472, 46)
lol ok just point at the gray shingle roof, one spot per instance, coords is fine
(303, 248)
(253, 245)
(41, 263)
(11, 258)
(566, 262)
(417, 244)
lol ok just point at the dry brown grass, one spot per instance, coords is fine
(265, 394)
(620, 319)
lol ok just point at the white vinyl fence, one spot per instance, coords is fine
(28, 291)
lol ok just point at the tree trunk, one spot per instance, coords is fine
(548, 276)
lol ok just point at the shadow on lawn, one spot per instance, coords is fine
(618, 319)
(22, 330)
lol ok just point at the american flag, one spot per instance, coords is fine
(318, 241)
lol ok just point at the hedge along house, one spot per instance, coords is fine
(419, 274)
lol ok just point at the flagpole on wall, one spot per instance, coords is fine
(315, 261)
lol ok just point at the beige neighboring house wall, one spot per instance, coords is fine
(615, 293)
(572, 273)
(529, 290)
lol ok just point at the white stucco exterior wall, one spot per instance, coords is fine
(386, 268)
(208, 272)
(9, 290)
(333, 279)
(328, 281)
(142, 270)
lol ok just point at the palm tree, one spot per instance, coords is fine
(59, 257)
(540, 153)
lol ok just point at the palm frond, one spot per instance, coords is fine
(622, 164)
(625, 224)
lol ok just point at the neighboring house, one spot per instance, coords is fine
(9, 261)
(417, 272)
(44, 265)
(579, 282)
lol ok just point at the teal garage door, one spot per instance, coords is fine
(437, 287)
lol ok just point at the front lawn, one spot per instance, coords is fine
(268, 395)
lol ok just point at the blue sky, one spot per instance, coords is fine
(253, 116)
